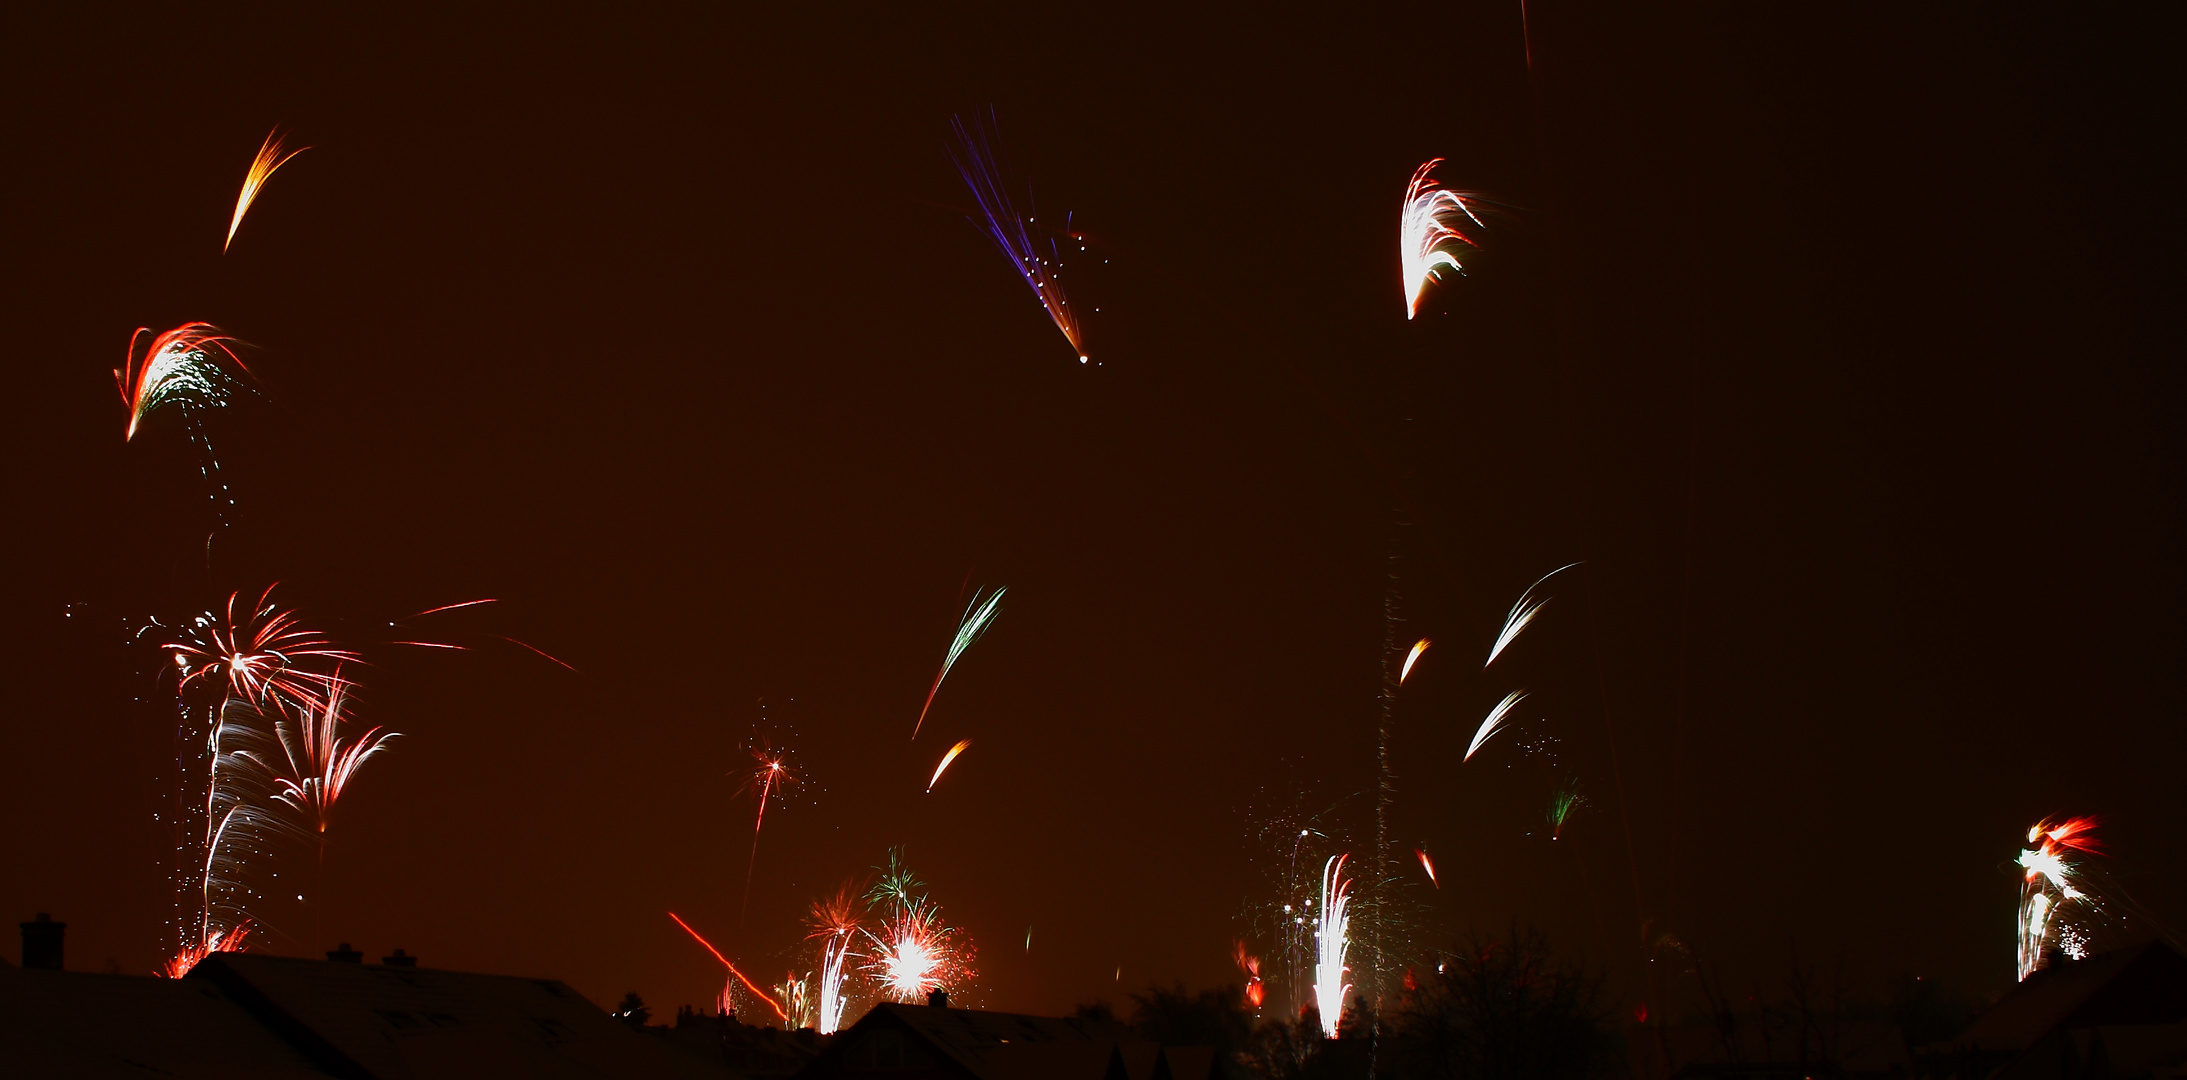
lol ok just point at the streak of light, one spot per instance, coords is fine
(748, 985)
(946, 759)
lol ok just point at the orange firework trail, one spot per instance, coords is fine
(962, 744)
(1428, 865)
(1412, 658)
(270, 157)
(748, 985)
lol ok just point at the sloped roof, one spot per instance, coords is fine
(77, 1024)
(385, 1023)
(2142, 985)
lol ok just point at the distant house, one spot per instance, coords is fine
(936, 1042)
(2120, 1015)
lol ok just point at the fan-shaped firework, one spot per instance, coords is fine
(1332, 941)
(835, 924)
(1566, 799)
(181, 367)
(1412, 658)
(2051, 881)
(1039, 262)
(320, 762)
(977, 618)
(256, 654)
(1495, 721)
(1431, 236)
(1522, 613)
(914, 952)
(271, 156)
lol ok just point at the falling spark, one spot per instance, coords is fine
(1411, 658)
(977, 618)
(835, 923)
(1523, 613)
(320, 764)
(748, 984)
(181, 366)
(1255, 990)
(1430, 236)
(1495, 720)
(270, 157)
(1331, 942)
(946, 759)
(2050, 883)
(1428, 865)
(1038, 262)
(255, 656)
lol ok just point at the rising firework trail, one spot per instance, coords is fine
(1332, 940)
(1495, 721)
(1522, 613)
(977, 618)
(2051, 881)
(748, 984)
(769, 777)
(1431, 233)
(272, 154)
(962, 744)
(1038, 263)
(1412, 658)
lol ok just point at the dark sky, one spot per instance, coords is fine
(1829, 339)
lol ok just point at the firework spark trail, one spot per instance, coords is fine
(2051, 882)
(915, 953)
(181, 366)
(962, 744)
(769, 779)
(748, 984)
(1332, 940)
(1495, 721)
(1428, 865)
(835, 923)
(977, 618)
(1430, 233)
(270, 157)
(229, 940)
(796, 994)
(1561, 804)
(1522, 613)
(256, 655)
(1255, 991)
(320, 763)
(1412, 658)
(1039, 263)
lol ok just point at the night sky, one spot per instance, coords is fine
(1829, 340)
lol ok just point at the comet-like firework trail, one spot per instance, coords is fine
(1495, 721)
(962, 744)
(1428, 865)
(1038, 262)
(181, 367)
(1522, 613)
(977, 618)
(1430, 239)
(1412, 658)
(270, 157)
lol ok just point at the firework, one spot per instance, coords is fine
(1562, 802)
(270, 157)
(836, 925)
(229, 940)
(1428, 865)
(795, 993)
(182, 367)
(1038, 262)
(946, 759)
(770, 776)
(1332, 940)
(255, 656)
(1255, 991)
(739, 976)
(1522, 613)
(1412, 658)
(1430, 233)
(977, 618)
(2051, 881)
(915, 953)
(1495, 721)
(320, 764)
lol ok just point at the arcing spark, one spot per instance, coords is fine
(320, 764)
(1038, 263)
(1522, 613)
(835, 924)
(1495, 721)
(748, 984)
(2050, 882)
(1331, 942)
(270, 157)
(1411, 658)
(1430, 236)
(946, 759)
(977, 618)
(181, 366)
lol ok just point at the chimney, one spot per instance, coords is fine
(345, 955)
(938, 999)
(400, 959)
(42, 942)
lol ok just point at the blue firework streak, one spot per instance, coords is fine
(1032, 252)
